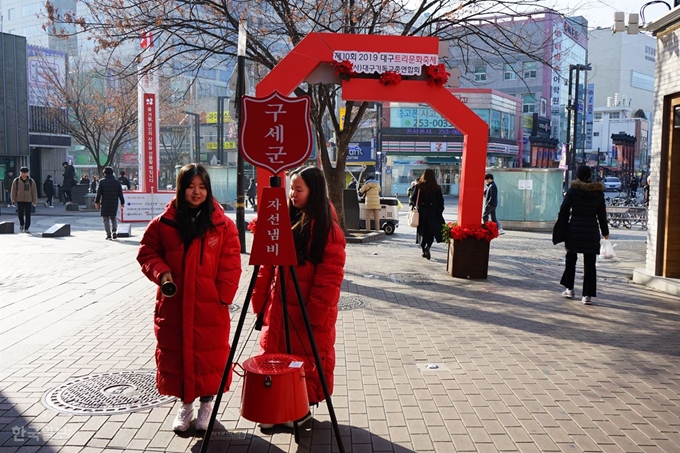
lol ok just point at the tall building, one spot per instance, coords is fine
(541, 81)
(621, 85)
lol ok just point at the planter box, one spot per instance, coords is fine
(468, 258)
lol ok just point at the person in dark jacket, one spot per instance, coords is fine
(48, 188)
(427, 197)
(491, 202)
(94, 184)
(69, 181)
(109, 193)
(123, 180)
(584, 211)
(194, 245)
(251, 193)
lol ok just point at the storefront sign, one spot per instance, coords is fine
(359, 153)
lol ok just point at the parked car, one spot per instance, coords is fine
(611, 183)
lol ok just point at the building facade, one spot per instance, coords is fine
(540, 81)
(415, 137)
(662, 268)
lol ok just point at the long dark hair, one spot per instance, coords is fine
(428, 182)
(312, 223)
(191, 227)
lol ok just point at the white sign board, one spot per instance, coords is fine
(142, 207)
(525, 184)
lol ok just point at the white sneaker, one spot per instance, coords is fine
(184, 417)
(203, 419)
(586, 300)
(501, 231)
(569, 293)
(307, 418)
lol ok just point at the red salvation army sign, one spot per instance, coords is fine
(276, 133)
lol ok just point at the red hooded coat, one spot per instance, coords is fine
(192, 328)
(320, 287)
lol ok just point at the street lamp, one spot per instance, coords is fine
(197, 135)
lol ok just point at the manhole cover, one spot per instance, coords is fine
(351, 303)
(106, 394)
(233, 308)
(412, 277)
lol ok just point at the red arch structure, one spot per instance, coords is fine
(315, 52)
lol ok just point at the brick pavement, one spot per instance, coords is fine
(520, 369)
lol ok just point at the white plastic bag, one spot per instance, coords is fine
(607, 250)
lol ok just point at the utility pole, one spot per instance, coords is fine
(240, 91)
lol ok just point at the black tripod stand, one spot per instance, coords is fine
(312, 342)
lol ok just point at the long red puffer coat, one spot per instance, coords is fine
(320, 286)
(192, 328)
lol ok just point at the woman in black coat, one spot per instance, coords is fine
(584, 211)
(427, 196)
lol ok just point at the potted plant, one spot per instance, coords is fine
(468, 254)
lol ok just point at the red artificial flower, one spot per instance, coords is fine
(485, 232)
(344, 69)
(251, 225)
(437, 75)
(390, 78)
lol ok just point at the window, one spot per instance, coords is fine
(528, 103)
(509, 72)
(495, 127)
(642, 81)
(10, 14)
(614, 115)
(31, 10)
(480, 73)
(529, 69)
(544, 107)
(596, 134)
(598, 115)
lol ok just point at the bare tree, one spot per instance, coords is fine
(193, 34)
(173, 141)
(98, 110)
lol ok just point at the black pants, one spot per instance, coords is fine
(490, 212)
(49, 200)
(24, 211)
(589, 273)
(67, 196)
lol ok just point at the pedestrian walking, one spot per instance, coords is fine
(371, 192)
(24, 194)
(69, 174)
(123, 180)
(48, 188)
(7, 186)
(108, 194)
(428, 199)
(320, 248)
(251, 193)
(491, 202)
(633, 188)
(193, 248)
(584, 212)
(94, 184)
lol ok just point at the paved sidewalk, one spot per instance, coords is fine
(518, 367)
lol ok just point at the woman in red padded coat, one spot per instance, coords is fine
(194, 245)
(320, 248)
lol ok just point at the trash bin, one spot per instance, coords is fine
(89, 200)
